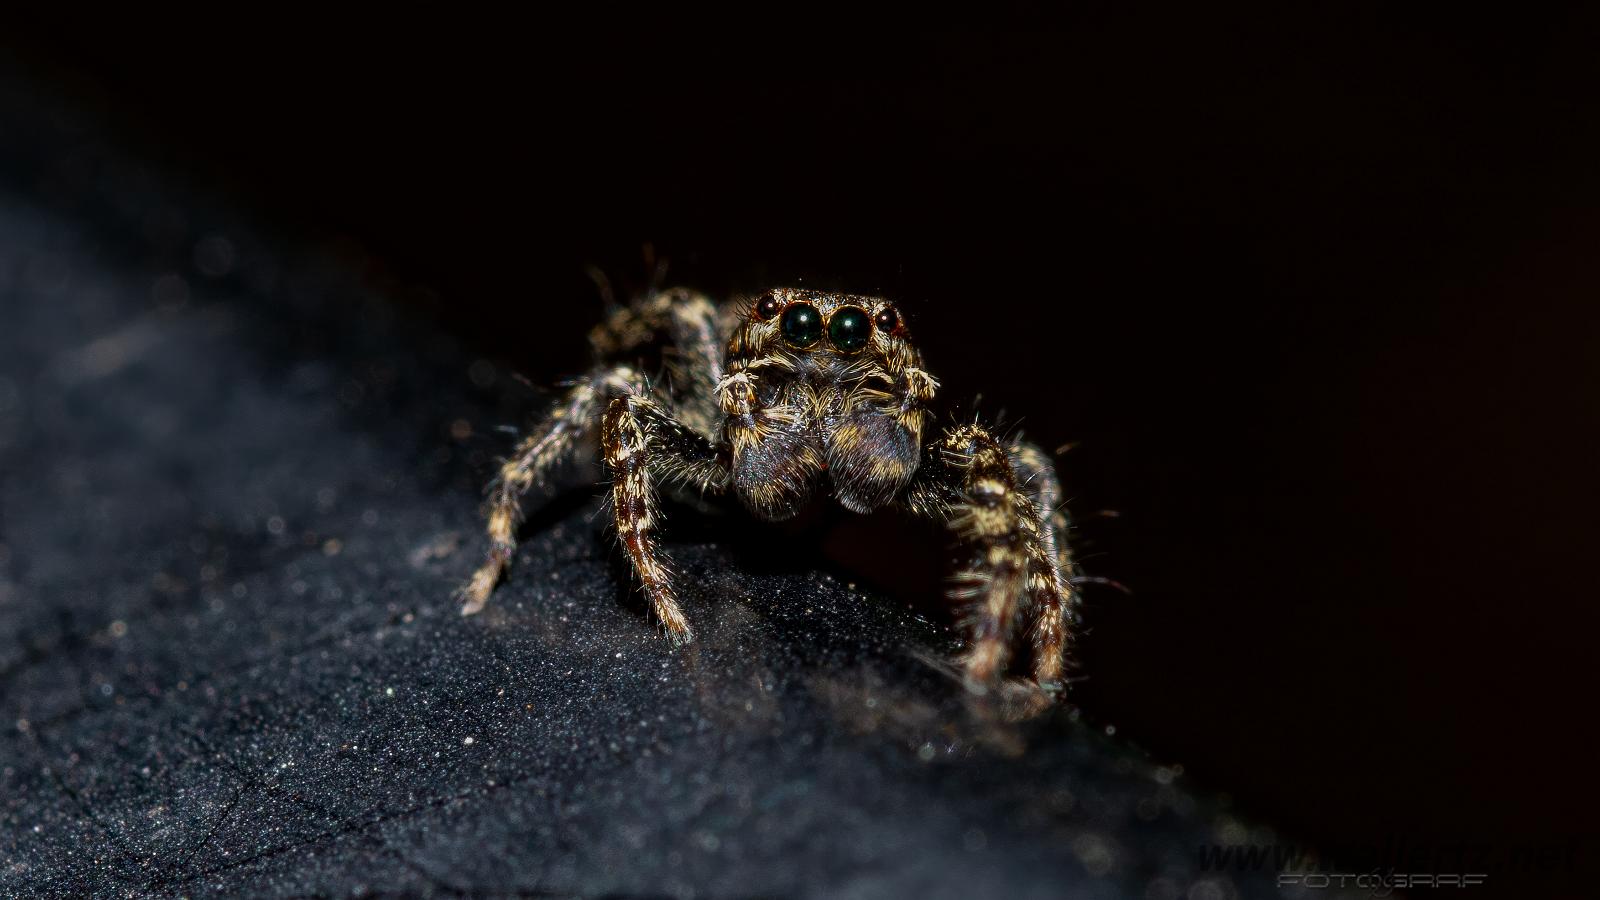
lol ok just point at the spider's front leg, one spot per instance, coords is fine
(641, 443)
(1008, 565)
(1052, 570)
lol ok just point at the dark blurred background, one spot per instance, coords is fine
(1315, 295)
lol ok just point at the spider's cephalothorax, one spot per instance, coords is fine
(823, 390)
(813, 393)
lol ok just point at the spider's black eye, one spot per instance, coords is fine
(849, 329)
(768, 306)
(801, 325)
(887, 319)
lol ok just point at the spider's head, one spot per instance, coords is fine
(843, 394)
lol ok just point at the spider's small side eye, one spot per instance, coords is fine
(768, 306)
(886, 319)
(801, 325)
(849, 329)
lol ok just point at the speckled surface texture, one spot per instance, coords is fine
(235, 493)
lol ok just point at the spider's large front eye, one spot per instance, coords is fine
(849, 329)
(801, 325)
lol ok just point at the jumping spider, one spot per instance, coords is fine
(811, 391)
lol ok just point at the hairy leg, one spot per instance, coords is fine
(967, 480)
(1051, 568)
(545, 448)
(641, 444)
(689, 322)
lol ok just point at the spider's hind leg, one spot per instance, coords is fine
(536, 457)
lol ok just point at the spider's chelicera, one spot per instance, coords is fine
(776, 398)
